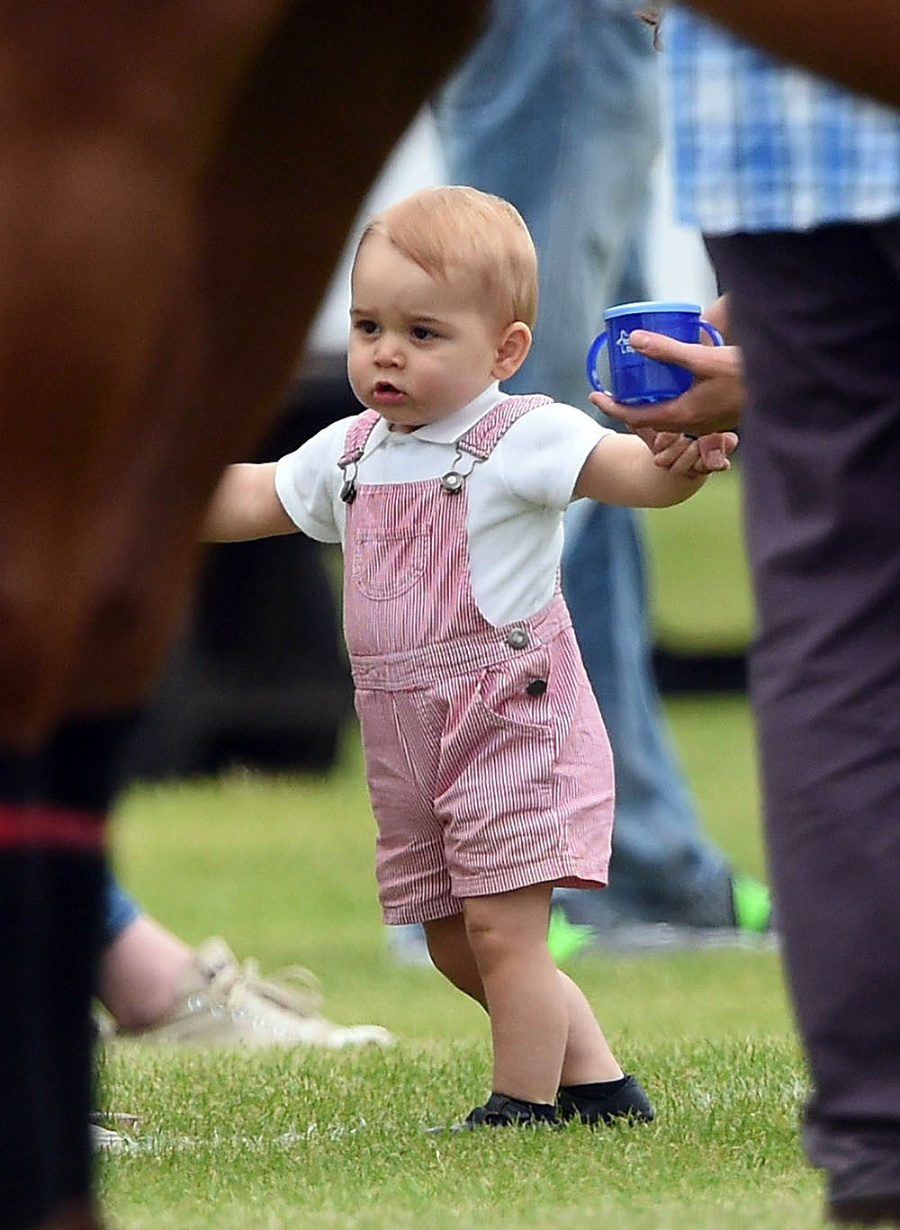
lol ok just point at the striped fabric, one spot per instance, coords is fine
(357, 437)
(488, 430)
(487, 761)
(758, 145)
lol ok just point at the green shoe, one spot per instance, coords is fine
(752, 904)
(567, 939)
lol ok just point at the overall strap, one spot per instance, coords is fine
(488, 431)
(354, 446)
(357, 437)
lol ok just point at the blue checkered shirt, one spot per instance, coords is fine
(758, 145)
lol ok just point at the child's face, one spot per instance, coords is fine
(419, 349)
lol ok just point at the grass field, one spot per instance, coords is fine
(283, 869)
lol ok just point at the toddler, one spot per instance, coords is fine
(487, 762)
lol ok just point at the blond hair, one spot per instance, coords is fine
(453, 230)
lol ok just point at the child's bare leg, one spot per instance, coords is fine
(588, 1056)
(590, 1076)
(525, 997)
(448, 946)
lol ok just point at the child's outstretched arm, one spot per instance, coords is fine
(245, 505)
(624, 470)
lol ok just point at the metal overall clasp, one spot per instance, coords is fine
(455, 479)
(348, 486)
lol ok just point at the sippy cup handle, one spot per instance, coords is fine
(592, 357)
(713, 332)
(601, 340)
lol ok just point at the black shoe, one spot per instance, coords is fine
(862, 1163)
(866, 1211)
(628, 1101)
(501, 1111)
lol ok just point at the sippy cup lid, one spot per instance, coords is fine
(631, 309)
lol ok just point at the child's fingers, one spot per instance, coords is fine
(665, 439)
(714, 450)
(680, 454)
(687, 455)
(712, 453)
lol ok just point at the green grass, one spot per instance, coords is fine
(326, 1142)
(283, 869)
(700, 582)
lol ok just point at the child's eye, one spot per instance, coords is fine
(367, 326)
(421, 334)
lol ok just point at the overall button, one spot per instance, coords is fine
(517, 638)
(452, 482)
(537, 687)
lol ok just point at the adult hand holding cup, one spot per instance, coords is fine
(714, 401)
(635, 378)
(702, 384)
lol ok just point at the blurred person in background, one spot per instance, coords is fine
(157, 988)
(795, 184)
(557, 109)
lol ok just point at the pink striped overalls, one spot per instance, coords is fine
(487, 761)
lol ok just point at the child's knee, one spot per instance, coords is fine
(507, 925)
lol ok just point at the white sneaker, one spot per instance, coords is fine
(223, 1003)
(105, 1140)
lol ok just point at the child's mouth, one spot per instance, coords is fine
(387, 392)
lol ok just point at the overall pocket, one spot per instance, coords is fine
(386, 565)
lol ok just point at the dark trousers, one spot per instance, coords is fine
(818, 317)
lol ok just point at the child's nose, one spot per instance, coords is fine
(388, 352)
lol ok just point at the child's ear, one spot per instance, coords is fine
(512, 350)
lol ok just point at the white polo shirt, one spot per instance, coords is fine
(516, 498)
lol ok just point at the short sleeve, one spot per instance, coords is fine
(544, 452)
(308, 483)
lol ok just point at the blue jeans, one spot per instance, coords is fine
(557, 110)
(119, 910)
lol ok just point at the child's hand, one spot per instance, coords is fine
(689, 455)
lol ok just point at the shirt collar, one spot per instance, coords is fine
(452, 428)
